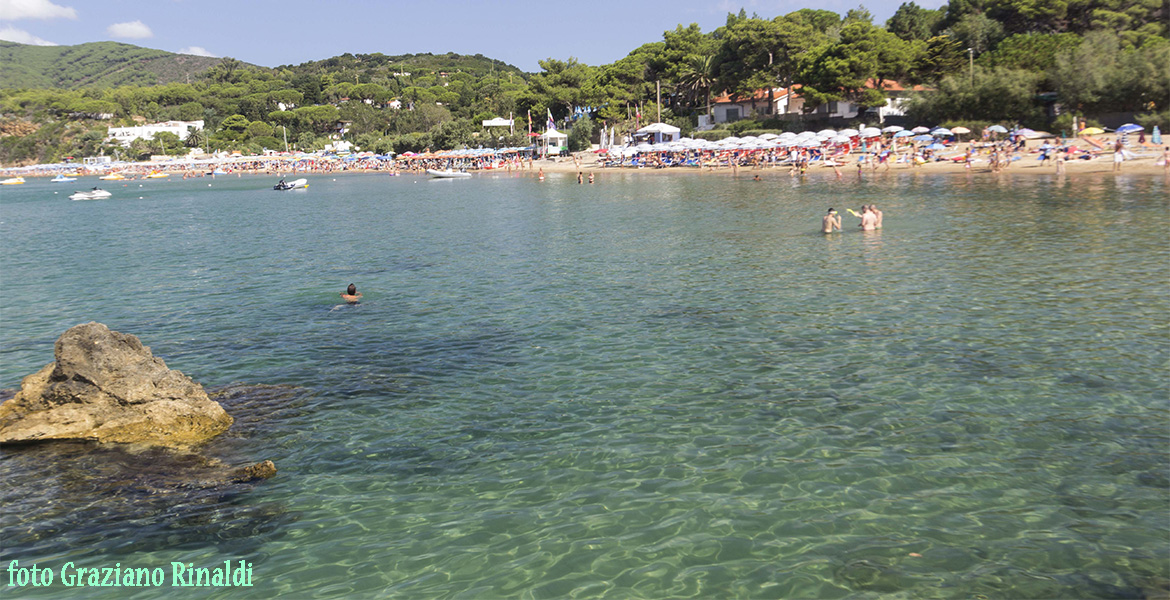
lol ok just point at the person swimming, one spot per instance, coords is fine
(351, 295)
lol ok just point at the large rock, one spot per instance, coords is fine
(106, 386)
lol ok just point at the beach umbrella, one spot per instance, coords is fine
(1091, 131)
(941, 131)
(960, 130)
(1130, 128)
(921, 129)
(922, 138)
(827, 132)
(903, 133)
(869, 132)
(849, 132)
(810, 144)
(997, 129)
(936, 146)
(841, 139)
(769, 136)
(893, 129)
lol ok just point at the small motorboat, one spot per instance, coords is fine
(291, 185)
(94, 194)
(13, 181)
(448, 174)
(61, 178)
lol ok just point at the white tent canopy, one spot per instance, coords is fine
(498, 122)
(660, 132)
(553, 141)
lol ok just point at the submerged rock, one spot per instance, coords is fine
(106, 386)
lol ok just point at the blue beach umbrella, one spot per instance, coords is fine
(922, 138)
(941, 131)
(936, 146)
(1130, 128)
(904, 133)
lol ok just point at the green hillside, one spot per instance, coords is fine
(96, 64)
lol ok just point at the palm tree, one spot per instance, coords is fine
(699, 74)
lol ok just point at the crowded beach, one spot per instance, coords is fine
(867, 150)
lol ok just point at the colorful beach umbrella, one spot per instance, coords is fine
(1130, 128)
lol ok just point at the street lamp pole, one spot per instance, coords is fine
(971, 62)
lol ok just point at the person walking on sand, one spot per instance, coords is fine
(830, 222)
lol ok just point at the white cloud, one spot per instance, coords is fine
(135, 30)
(19, 36)
(11, 10)
(196, 51)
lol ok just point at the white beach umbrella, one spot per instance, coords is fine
(849, 132)
(921, 129)
(941, 131)
(870, 132)
(841, 139)
(814, 143)
(748, 138)
(892, 129)
(769, 136)
(903, 133)
(787, 143)
(827, 132)
(807, 134)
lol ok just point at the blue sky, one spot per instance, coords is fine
(277, 32)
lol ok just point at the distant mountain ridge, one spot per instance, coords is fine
(95, 64)
(110, 64)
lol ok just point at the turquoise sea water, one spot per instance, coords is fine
(654, 386)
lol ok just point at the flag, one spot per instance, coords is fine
(551, 124)
(529, 122)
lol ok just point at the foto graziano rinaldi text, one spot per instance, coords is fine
(181, 575)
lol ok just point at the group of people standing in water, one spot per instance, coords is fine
(871, 219)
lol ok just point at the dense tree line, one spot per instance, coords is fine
(1001, 60)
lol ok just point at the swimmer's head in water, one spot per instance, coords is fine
(351, 290)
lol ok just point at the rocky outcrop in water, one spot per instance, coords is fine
(106, 386)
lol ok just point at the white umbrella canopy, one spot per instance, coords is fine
(827, 132)
(787, 143)
(921, 129)
(841, 139)
(748, 138)
(892, 129)
(807, 134)
(941, 131)
(769, 136)
(849, 132)
(810, 144)
(903, 133)
(960, 130)
(787, 135)
(870, 132)
(730, 140)
(997, 129)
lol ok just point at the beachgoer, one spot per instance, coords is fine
(877, 223)
(1118, 155)
(756, 178)
(540, 174)
(868, 219)
(580, 179)
(831, 222)
(1060, 158)
(351, 295)
(591, 178)
(1166, 160)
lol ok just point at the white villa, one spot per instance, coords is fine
(126, 135)
(728, 108)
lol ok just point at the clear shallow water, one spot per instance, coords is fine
(648, 387)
